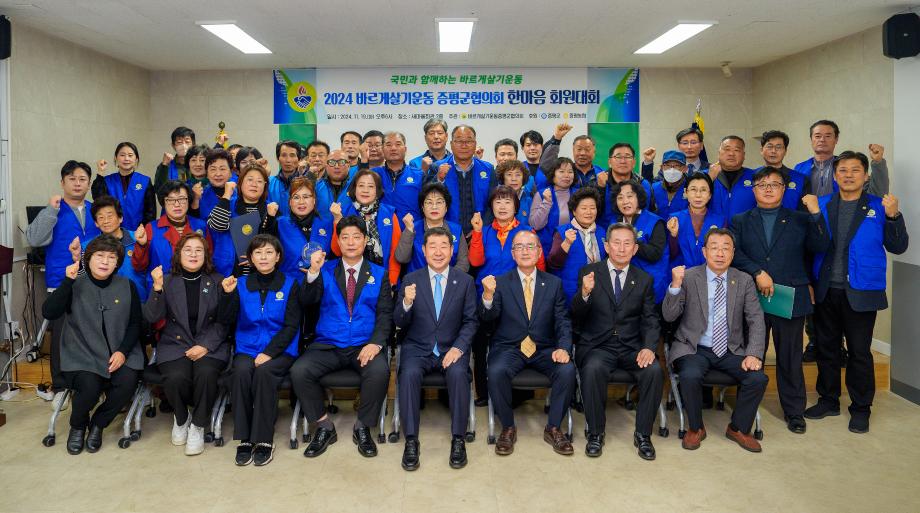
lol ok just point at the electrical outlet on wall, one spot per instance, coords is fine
(8, 327)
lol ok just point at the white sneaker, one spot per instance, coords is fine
(195, 443)
(180, 433)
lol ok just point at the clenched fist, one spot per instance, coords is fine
(272, 209)
(336, 210)
(426, 163)
(890, 202)
(229, 284)
(480, 151)
(561, 130)
(476, 222)
(548, 196)
(409, 294)
(229, 188)
(442, 171)
(648, 156)
(408, 221)
(167, 158)
(140, 235)
(317, 261)
(587, 284)
(55, 201)
(101, 165)
(602, 179)
(75, 249)
(811, 203)
(677, 276)
(198, 190)
(488, 287)
(570, 236)
(157, 275)
(876, 152)
(71, 270)
(673, 226)
(714, 170)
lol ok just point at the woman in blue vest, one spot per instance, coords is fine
(192, 349)
(133, 190)
(302, 225)
(383, 227)
(669, 195)
(219, 164)
(550, 209)
(252, 193)
(653, 255)
(154, 243)
(688, 228)
(515, 174)
(107, 215)
(266, 308)
(579, 243)
(434, 201)
(99, 345)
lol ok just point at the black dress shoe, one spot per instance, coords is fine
(94, 439)
(859, 423)
(263, 454)
(481, 402)
(410, 454)
(810, 354)
(820, 410)
(365, 442)
(795, 423)
(595, 446)
(244, 454)
(644, 444)
(75, 440)
(321, 440)
(457, 452)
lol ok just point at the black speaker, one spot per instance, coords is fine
(5, 37)
(901, 36)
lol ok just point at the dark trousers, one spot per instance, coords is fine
(480, 348)
(320, 359)
(88, 387)
(457, 376)
(790, 380)
(506, 363)
(190, 383)
(595, 367)
(835, 318)
(254, 394)
(751, 386)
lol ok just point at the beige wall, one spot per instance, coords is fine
(68, 102)
(848, 81)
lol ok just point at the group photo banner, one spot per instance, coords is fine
(496, 102)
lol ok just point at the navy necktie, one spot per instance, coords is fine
(617, 288)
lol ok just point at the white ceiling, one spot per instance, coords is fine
(162, 35)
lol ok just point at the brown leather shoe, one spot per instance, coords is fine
(506, 439)
(691, 440)
(746, 441)
(558, 440)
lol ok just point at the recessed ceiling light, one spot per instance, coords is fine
(454, 34)
(234, 35)
(673, 37)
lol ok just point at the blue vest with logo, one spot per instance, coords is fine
(224, 253)
(335, 327)
(523, 214)
(324, 197)
(660, 270)
(867, 265)
(384, 223)
(293, 241)
(161, 251)
(418, 256)
(402, 195)
(691, 246)
(57, 253)
(664, 207)
(258, 322)
(482, 180)
(498, 257)
(209, 199)
(576, 259)
(132, 201)
(739, 199)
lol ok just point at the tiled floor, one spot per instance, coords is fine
(827, 469)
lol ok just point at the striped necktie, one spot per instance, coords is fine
(719, 320)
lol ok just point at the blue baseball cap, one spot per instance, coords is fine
(674, 155)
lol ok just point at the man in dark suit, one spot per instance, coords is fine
(356, 312)
(532, 330)
(851, 280)
(771, 245)
(718, 304)
(617, 327)
(437, 309)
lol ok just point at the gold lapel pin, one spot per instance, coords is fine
(116, 301)
(632, 282)
(733, 282)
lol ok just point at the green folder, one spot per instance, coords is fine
(780, 304)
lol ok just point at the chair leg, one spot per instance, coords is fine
(675, 391)
(381, 425)
(491, 439)
(630, 405)
(295, 418)
(758, 432)
(569, 433)
(471, 425)
(49, 439)
(219, 421)
(394, 434)
(331, 407)
(662, 422)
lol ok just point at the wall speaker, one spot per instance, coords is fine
(901, 36)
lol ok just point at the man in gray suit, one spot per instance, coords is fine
(716, 302)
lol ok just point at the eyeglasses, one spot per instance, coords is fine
(694, 190)
(304, 197)
(769, 186)
(771, 147)
(622, 158)
(522, 247)
(192, 251)
(464, 142)
(435, 203)
(336, 163)
(176, 201)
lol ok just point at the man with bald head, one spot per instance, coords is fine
(333, 186)
(467, 178)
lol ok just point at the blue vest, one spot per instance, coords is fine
(335, 327)
(161, 250)
(132, 201)
(867, 265)
(807, 166)
(173, 170)
(57, 253)
(418, 256)
(552, 220)
(209, 199)
(126, 269)
(576, 259)
(523, 214)
(278, 192)
(384, 228)
(691, 246)
(660, 270)
(417, 161)
(607, 217)
(482, 179)
(664, 207)
(224, 254)
(402, 195)
(324, 197)
(539, 179)
(258, 322)
(498, 257)
(293, 241)
(739, 199)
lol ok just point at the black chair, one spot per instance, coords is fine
(623, 377)
(435, 381)
(529, 379)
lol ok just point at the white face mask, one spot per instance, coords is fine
(181, 149)
(672, 175)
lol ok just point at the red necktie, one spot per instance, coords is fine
(350, 290)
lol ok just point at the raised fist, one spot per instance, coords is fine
(229, 188)
(336, 210)
(157, 275)
(75, 249)
(811, 203)
(409, 294)
(476, 222)
(548, 196)
(561, 130)
(570, 236)
(672, 226)
(677, 276)
(317, 261)
(101, 165)
(408, 221)
(426, 163)
(71, 270)
(876, 152)
(587, 284)
(602, 179)
(167, 158)
(140, 235)
(480, 151)
(442, 171)
(890, 202)
(198, 190)
(229, 284)
(488, 287)
(55, 201)
(648, 156)
(272, 209)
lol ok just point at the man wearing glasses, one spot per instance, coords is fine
(333, 186)
(532, 330)
(773, 147)
(771, 241)
(466, 177)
